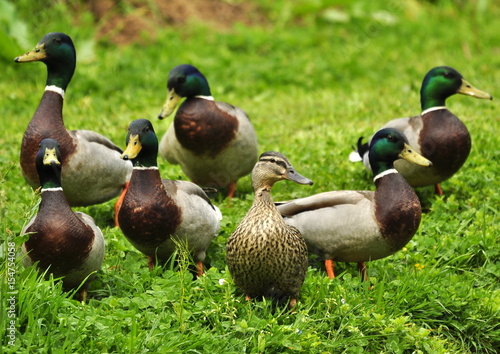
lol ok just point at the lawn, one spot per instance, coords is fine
(313, 76)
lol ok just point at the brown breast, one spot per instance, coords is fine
(203, 128)
(397, 210)
(47, 122)
(445, 141)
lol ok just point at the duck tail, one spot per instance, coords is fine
(360, 150)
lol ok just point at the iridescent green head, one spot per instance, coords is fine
(388, 145)
(48, 164)
(443, 82)
(57, 51)
(183, 81)
(142, 144)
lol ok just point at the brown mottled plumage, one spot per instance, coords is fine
(265, 256)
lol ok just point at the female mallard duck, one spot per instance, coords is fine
(92, 169)
(265, 256)
(214, 142)
(68, 242)
(359, 226)
(156, 212)
(436, 133)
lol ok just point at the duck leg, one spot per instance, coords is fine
(292, 303)
(119, 202)
(231, 190)
(199, 269)
(362, 270)
(84, 293)
(329, 268)
(437, 189)
(151, 262)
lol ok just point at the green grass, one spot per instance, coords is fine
(311, 85)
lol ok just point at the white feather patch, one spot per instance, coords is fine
(385, 173)
(432, 109)
(51, 189)
(145, 168)
(355, 157)
(210, 98)
(55, 89)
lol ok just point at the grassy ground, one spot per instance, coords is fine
(312, 80)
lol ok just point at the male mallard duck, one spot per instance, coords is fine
(68, 242)
(156, 211)
(436, 133)
(92, 169)
(265, 256)
(359, 226)
(214, 142)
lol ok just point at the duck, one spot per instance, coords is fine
(66, 243)
(436, 133)
(93, 171)
(214, 142)
(157, 214)
(361, 226)
(265, 256)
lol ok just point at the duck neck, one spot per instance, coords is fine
(60, 74)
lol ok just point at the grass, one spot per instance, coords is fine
(313, 79)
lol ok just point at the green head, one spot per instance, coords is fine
(57, 51)
(388, 145)
(48, 164)
(142, 144)
(443, 82)
(183, 81)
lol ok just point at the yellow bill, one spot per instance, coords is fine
(133, 148)
(411, 156)
(468, 89)
(171, 102)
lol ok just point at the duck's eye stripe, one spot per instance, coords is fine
(282, 164)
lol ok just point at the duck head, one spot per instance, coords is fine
(48, 164)
(389, 145)
(57, 51)
(442, 82)
(183, 81)
(273, 167)
(142, 144)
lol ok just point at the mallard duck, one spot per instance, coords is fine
(156, 211)
(265, 256)
(68, 243)
(214, 142)
(436, 133)
(92, 169)
(359, 226)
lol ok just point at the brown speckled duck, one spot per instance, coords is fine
(67, 243)
(155, 211)
(265, 256)
(214, 142)
(436, 133)
(360, 226)
(92, 169)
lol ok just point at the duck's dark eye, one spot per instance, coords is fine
(273, 160)
(181, 79)
(448, 74)
(390, 137)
